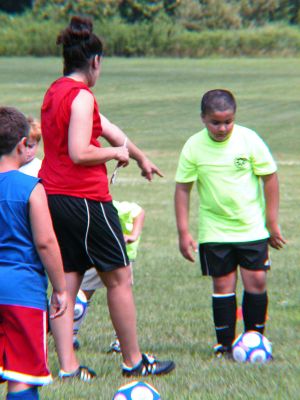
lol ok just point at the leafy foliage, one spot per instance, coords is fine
(192, 28)
(16, 6)
(192, 14)
(63, 9)
(140, 10)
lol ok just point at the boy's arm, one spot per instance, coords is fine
(187, 245)
(116, 137)
(138, 223)
(47, 248)
(271, 192)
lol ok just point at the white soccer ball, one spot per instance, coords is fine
(252, 347)
(81, 305)
(137, 391)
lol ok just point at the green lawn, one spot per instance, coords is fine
(156, 101)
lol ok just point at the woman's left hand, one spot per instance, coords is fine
(149, 169)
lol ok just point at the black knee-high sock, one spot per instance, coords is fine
(224, 312)
(255, 311)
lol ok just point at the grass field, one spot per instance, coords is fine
(156, 101)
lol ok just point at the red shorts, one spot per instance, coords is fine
(23, 345)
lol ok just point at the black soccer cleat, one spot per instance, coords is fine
(114, 347)
(83, 373)
(223, 352)
(149, 365)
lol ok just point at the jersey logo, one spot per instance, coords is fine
(241, 162)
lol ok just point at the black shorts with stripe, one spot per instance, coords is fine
(89, 234)
(220, 259)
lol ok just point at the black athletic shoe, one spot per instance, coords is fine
(83, 373)
(114, 347)
(221, 351)
(149, 365)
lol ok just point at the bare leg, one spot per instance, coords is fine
(81, 317)
(62, 327)
(254, 281)
(122, 311)
(17, 386)
(225, 284)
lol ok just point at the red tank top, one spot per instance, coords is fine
(58, 172)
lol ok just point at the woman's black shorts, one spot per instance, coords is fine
(89, 234)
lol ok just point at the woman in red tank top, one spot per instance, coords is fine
(75, 178)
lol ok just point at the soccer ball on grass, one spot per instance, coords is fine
(252, 347)
(137, 391)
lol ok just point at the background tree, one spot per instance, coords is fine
(62, 9)
(16, 6)
(257, 12)
(288, 10)
(141, 10)
(208, 14)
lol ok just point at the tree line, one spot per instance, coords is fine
(193, 15)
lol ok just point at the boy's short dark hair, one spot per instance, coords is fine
(13, 127)
(217, 100)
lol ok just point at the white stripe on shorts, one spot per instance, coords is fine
(115, 236)
(87, 231)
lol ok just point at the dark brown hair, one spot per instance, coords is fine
(13, 127)
(79, 44)
(217, 100)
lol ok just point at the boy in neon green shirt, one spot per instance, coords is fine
(238, 213)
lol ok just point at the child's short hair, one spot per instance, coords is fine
(35, 132)
(13, 127)
(217, 100)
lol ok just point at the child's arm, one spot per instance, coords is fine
(182, 206)
(116, 137)
(271, 192)
(138, 223)
(47, 248)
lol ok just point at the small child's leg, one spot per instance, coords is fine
(80, 314)
(28, 394)
(224, 313)
(255, 311)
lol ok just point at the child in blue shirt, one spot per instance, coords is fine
(27, 248)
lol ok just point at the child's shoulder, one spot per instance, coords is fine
(247, 135)
(126, 206)
(22, 178)
(17, 182)
(196, 138)
(240, 129)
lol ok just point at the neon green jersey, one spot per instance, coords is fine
(127, 211)
(231, 199)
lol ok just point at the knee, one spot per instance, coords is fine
(224, 285)
(121, 279)
(256, 285)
